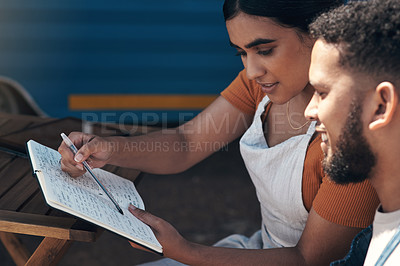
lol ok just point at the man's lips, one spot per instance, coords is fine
(320, 127)
(324, 137)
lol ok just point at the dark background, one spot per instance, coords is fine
(55, 49)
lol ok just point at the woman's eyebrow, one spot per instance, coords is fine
(253, 43)
(258, 42)
(234, 45)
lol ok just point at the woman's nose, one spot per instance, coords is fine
(254, 68)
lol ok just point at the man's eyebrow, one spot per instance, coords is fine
(253, 43)
(318, 84)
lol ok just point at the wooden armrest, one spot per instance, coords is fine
(47, 226)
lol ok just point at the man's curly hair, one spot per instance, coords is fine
(367, 35)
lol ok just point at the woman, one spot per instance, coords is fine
(307, 219)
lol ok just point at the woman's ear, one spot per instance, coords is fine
(385, 103)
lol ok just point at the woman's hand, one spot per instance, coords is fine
(93, 149)
(174, 245)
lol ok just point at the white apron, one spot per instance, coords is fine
(277, 174)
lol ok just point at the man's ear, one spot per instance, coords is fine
(385, 103)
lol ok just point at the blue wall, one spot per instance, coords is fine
(55, 48)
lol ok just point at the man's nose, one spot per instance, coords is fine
(311, 112)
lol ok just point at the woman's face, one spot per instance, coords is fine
(274, 56)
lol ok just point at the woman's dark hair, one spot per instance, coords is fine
(288, 13)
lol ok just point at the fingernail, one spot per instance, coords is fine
(78, 158)
(131, 207)
(79, 166)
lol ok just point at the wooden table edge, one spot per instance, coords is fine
(46, 226)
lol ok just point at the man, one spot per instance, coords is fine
(355, 69)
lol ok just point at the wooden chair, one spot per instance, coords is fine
(22, 206)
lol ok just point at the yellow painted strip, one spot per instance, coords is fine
(79, 102)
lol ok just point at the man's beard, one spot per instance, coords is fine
(353, 160)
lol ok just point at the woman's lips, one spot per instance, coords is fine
(268, 87)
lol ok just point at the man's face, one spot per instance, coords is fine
(338, 107)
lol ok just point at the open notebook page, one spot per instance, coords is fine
(84, 198)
